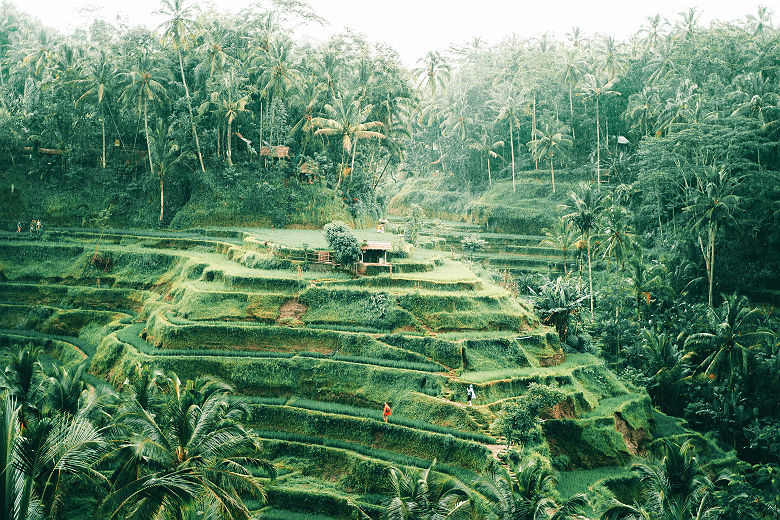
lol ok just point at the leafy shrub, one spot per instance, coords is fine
(472, 244)
(343, 242)
(414, 222)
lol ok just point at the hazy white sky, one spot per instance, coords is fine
(415, 26)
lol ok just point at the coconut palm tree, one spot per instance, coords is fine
(666, 364)
(642, 110)
(279, 75)
(418, 496)
(41, 460)
(189, 450)
(179, 30)
(347, 120)
(563, 237)
(618, 239)
(506, 102)
(595, 87)
(433, 73)
(712, 202)
(143, 85)
(22, 377)
(584, 208)
(486, 150)
(551, 143)
(526, 494)
(101, 74)
(725, 348)
(166, 155)
(228, 99)
(571, 75)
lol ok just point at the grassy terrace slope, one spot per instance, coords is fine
(317, 352)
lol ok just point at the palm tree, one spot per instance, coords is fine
(64, 388)
(585, 207)
(486, 150)
(557, 301)
(279, 75)
(641, 110)
(507, 104)
(347, 119)
(228, 100)
(725, 347)
(22, 377)
(551, 144)
(618, 239)
(653, 30)
(433, 73)
(166, 155)
(145, 84)
(417, 496)
(562, 237)
(712, 202)
(571, 74)
(191, 449)
(41, 460)
(527, 494)
(594, 87)
(645, 280)
(179, 30)
(100, 77)
(665, 363)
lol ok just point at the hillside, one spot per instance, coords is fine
(316, 353)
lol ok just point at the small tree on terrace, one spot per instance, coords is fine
(414, 222)
(343, 243)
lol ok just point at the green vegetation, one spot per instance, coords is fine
(604, 280)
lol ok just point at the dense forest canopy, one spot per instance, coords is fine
(651, 164)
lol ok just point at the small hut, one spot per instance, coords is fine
(373, 257)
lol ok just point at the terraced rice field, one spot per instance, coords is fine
(316, 352)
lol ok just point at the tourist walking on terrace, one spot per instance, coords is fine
(32, 225)
(470, 394)
(386, 412)
(19, 227)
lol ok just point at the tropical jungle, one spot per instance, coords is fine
(248, 275)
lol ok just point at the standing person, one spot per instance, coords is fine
(386, 412)
(38, 226)
(18, 226)
(470, 394)
(32, 225)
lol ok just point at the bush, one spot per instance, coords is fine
(343, 243)
(414, 222)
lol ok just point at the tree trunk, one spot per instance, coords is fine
(713, 229)
(227, 142)
(552, 172)
(598, 150)
(148, 146)
(571, 111)
(161, 199)
(512, 147)
(590, 276)
(490, 178)
(192, 120)
(103, 127)
(533, 131)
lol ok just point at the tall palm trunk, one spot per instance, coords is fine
(192, 120)
(533, 131)
(552, 172)
(228, 150)
(571, 111)
(590, 274)
(512, 147)
(490, 178)
(103, 127)
(161, 199)
(598, 148)
(146, 131)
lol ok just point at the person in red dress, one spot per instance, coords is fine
(386, 413)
